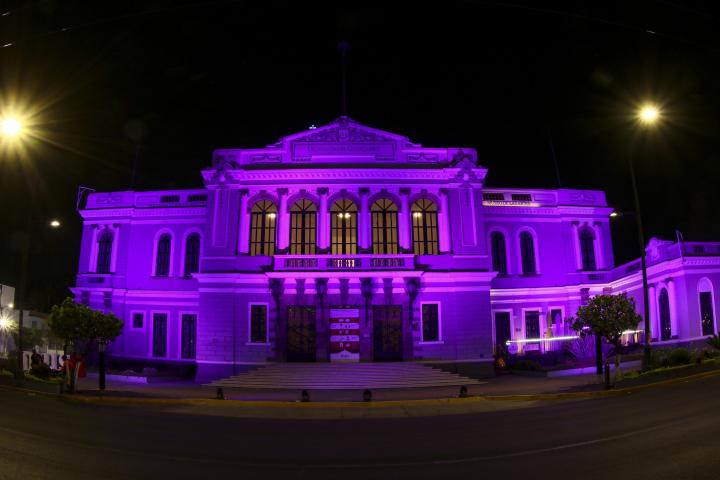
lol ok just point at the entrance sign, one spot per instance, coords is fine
(344, 335)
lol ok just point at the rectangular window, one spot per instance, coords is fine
(189, 335)
(430, 322)
(138, 320)
(494, 196)
(198, 197)
(532, 325)
(502, 331)
(160, 335)
(521, 197)
(107, 300)
(258, 323)
(169, 198)
(556, 321)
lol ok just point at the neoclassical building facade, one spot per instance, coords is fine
(347, 243)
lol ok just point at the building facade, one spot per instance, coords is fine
(348, 243)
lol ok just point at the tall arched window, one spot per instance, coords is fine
(665, 323)
(498, 252)
(192, 254)
(707, 306)
(162, 257)
(527, 253)
(384, 226)
(425, 229)
(303, 223)
(104, 251)
(262, 228)
(343, 227)
(587, 249)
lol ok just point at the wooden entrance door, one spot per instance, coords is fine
(502, 331)
(387, 333)
(301, 341)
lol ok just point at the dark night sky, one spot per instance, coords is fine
(178, 79)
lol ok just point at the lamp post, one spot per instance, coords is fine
(647, 116)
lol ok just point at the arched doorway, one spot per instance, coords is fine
(707, 308)
(664, 306)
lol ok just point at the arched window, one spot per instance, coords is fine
(587, 249)
(192, 254)
(343, 227)
(527, 253)
(262, 228)
(303, 223)
(104, 251)
(384, 226)
(498, 252)
(707, 306)
(425, 230)
(162, 257)
(665, 324)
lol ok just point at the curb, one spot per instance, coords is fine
(378, 405)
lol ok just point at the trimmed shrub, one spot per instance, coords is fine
(714, 342)
(679, 356)
(41, 370)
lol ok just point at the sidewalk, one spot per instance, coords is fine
(501, 385)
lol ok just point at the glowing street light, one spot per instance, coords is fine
(11, 127)
(55, 223)
(648, 114)
(5, 323)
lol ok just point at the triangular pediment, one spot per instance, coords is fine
(345, 130)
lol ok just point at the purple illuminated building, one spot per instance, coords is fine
(347, 243)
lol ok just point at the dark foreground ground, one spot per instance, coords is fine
(664, 433)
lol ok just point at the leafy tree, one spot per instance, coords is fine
(79, 326)
(608, 316)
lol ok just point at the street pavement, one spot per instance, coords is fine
(668, 432)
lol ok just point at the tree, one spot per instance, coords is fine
(79, 327)
(608, 316)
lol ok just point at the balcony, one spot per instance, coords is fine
(344, 262)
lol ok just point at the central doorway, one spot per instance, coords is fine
(387, 333)
(301, 334)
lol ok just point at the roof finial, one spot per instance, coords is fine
(343, 47)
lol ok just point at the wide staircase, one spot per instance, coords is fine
(344, 376)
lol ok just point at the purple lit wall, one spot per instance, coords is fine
(437, 266)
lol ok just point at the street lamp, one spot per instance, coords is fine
(648, 115)
(11, 127)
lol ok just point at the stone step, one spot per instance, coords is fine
(328, 376)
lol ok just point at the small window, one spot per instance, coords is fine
(189, 335)
(192, 254)
(430, 322)
(162, 259)
(104, 251)
(494, 196)
(138, 320)
(258, 324)
(107, 300)
(521, 197)
(498, 253)
(169, 198)
(159, 345)
(527, 253)
(198, 197)
(587, 249)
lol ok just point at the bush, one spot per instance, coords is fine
(528, 366)
(714, 342)
(41, 370)
(679, 356)
(6, 373)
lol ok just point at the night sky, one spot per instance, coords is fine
(167, 82)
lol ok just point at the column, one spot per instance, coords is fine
(404, 220)
(364, 220)
(244, 227)
(283, 220)
(673, 307)
(654, 324)
(599, 257)
(444, 222)
(323, 225)
(576, 243)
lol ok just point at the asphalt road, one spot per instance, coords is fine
(667, 433)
